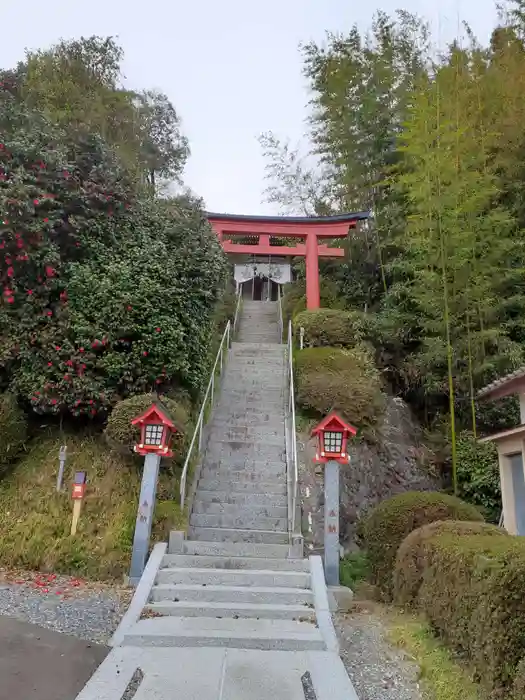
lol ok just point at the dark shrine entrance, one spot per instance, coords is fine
(260, 289)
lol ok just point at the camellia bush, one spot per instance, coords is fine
(13, 429)
(105, 293)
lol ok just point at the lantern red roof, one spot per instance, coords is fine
(333, 422)
(156, 413)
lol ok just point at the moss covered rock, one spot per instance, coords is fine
(385, 528)
(13, 429)
(345, 380)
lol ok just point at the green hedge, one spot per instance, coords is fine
(343, 380)
(294, 299)
(332, 327)
(122, 436)
(411, 561)
(13, 429)
(473, 593)
(385, 528)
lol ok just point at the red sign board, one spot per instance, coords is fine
(79, 491)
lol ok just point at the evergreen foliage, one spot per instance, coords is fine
(107, 290)
(386, 526)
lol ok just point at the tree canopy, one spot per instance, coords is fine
(108, 290)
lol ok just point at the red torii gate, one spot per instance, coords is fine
(311, 229)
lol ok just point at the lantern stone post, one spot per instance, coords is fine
(332, 435)
(148, 493)
(156, 430)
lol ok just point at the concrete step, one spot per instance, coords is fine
(283, 635)
(240, 421)
(215, 534)
(267, 436)
(234, 562)
(221, 449)
(236, 549)
(224, 483)
(237, 441)
(302, 613)
(244, 519)
(234, 577)
(257, 595)
(238, 473)
(245, 463)
(241, 498)
(267, 511)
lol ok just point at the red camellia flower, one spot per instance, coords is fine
(10, 300)
(35, 202)
(144, 353)
(158, 330)
(81, 349)
(46, 220)
(50, 271)
(49, 364)
(30, 291)
(49, 313)
(53, 401)
(130, 308)
(10, 272)
(66, 377)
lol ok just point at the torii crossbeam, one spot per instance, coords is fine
(310, 229)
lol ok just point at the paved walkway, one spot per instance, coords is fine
(219, 674)
(38, 664)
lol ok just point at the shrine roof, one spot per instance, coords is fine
(505, 386)
(337, 219)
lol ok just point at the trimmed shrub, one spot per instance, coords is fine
(121, 436)
(473, 593)
(391, 521)
(294, 299)
(13, 429)
(343, 380)
(332, 327)
(411, 556)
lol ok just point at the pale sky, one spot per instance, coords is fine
(232, 68)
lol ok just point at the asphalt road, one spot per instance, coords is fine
(39, 664)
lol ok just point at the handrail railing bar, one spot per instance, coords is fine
(237, 308)
(280, 307)
(294, 477)
(200, 420)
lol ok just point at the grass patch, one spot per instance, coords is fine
(442, 678)
(353, 569)
(35, 520)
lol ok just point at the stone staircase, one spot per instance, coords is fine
(237, 581)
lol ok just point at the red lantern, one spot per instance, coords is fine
(332, 438)
(156, 431)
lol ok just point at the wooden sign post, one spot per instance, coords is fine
(79, 491)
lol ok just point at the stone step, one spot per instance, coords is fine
(228, 421)
(243, 463)
(217, 534)
(234, 577)
(268, 511)
(190, 608)
(284, 635)
(236, 549)
(244, 519)
(224, 483)
(232, 594)
(221, 449)
(238, 469)
(241, 498)
(266, 435)
(238, 441)
(234, 562)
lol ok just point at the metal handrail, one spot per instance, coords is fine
(237, 308)
(292, 466)
(280, 312)
(210, 393)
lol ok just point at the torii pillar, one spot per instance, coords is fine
(308, 229)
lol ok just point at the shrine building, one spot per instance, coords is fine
(261, 249)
